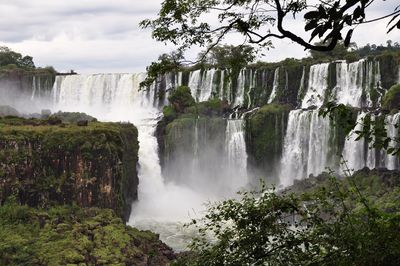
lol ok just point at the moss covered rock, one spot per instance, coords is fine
(42, 164)
(265, 132)
(74, 236)
(391, 100)
(181, 99)
(189, 141)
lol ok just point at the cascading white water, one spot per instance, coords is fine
(373, 82)
(162, 206)
(317, 85)
(371, 162)
(194, 83)
(391, 124)
(241, 82)
(202, 84)
(236, 150)
(221, 85)
(33, 87)
(349, 83)
(306, 146)
(355, 80)
(116, 97)
(357, 153)
(252, 85)
(274, 86)
(206, 85)
(302, 84)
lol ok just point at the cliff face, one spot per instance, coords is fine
(42, 165)
(191, 143)
(37, 83)
(265, 132)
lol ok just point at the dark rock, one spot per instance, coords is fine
(54, 121)
(82, 123)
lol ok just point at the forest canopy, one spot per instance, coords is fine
(187, 22)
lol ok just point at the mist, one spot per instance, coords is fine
(26, 95)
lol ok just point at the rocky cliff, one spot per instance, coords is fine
(46, 162)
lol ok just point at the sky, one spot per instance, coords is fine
(103, 36)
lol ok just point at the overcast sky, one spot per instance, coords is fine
(96, 36)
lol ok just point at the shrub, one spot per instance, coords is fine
(391, 99)
(181, 98)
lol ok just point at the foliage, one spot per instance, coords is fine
(340, 51)
(181, 99)
(169, 113)
(372, 129)
(70, 235)
(373, 49)
(166, 63)
(331, 225)
(228, 56)
(391, 99)
(71, 117)
(11, 60)
(182, 22)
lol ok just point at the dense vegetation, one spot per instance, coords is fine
(355, 221)
(11, 61)
(183, 105)
(69, 235)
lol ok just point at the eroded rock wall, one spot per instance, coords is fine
(91, 166)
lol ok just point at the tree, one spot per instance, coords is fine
(340, 51)
(166, 63)
(182, 22)
(11, 58)
(229, 56)
(334, 224)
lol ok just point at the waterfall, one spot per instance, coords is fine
(355, 80)
(349, 83)
(202, 84)
(236, 150)
(253, 84)
(116, 97)
(392, 123)
(163, 202)
(317, 85)
(33, 87)
(353, 152)
(358, 153)
(302, 84)
(221, 85)
(275, 86)
(306, 146)
(241, 81)
(194, 83)
(372, 82)
(206, 85)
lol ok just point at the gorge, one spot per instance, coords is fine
(259, 122)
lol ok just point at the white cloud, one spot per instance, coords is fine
(104, 36)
